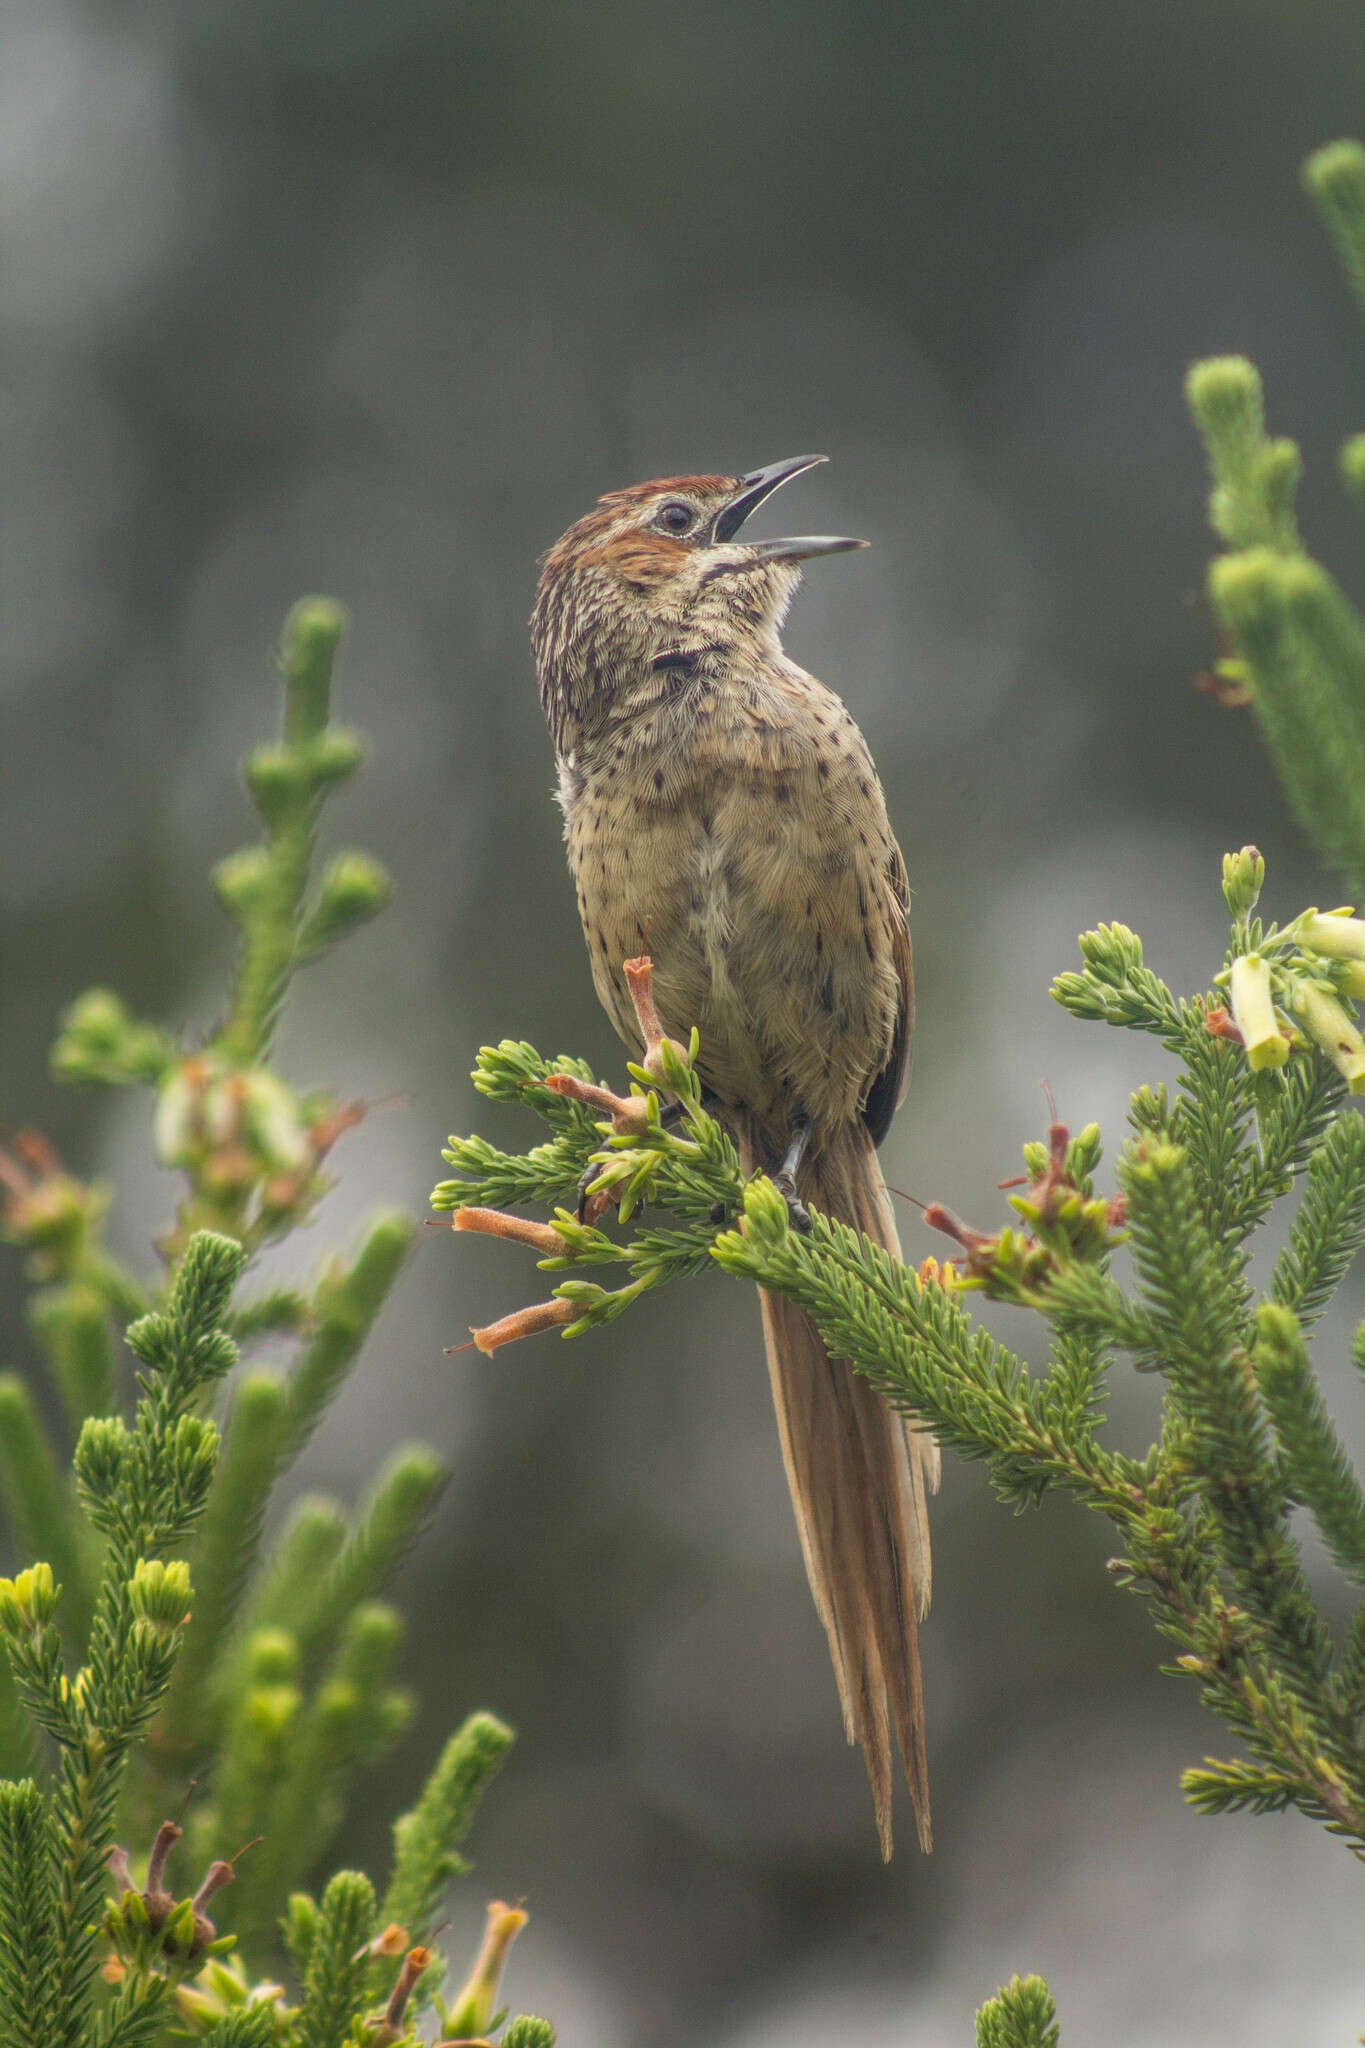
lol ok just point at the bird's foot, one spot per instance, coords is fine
(797, 1213)
(784, 1180)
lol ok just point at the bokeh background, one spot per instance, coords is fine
(374, 297)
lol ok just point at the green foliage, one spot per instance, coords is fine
(526, 2031)
(334, 1988)
(155, 1643)
(29, 2004)
(1021, 2015)
(426, 1841)
(1245, 1435)
(250, 2026)
(1299, 641)
(1205, 1515)
(1313, 1452)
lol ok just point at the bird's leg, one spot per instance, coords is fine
(784, 1180)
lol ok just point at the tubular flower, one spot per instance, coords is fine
(1253, 1011)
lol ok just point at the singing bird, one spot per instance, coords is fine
(722, 811)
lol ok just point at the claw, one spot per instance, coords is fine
(797, 1212)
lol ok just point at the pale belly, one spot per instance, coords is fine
(764, 899)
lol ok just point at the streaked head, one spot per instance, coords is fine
(657, 569)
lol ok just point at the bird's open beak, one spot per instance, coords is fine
(753, 489)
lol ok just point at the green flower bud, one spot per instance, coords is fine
(160, 1593)
(228, 1982)
(101, 1449)
(278, 780)
(1243, 880)
(28, 1601)
(673, 1066)
(178, 1935)
(335, 754)
(353, 887)
(243, 880)
(198, 2010)
(1083, 1152)
(194, 1448)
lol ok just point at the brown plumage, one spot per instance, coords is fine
(722, 801)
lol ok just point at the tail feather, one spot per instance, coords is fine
(859, 1478)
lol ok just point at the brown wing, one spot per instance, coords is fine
(888, 1090)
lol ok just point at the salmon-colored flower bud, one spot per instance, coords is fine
(527, 1322)
(938, 1217)
(542, 1237)
(627, 1112)
(640, 981)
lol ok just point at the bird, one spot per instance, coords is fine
(722, 808)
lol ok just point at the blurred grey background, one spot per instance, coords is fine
(375, 297)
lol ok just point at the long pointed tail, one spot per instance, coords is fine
(859, 1478)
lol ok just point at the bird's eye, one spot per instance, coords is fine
(676, 517)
